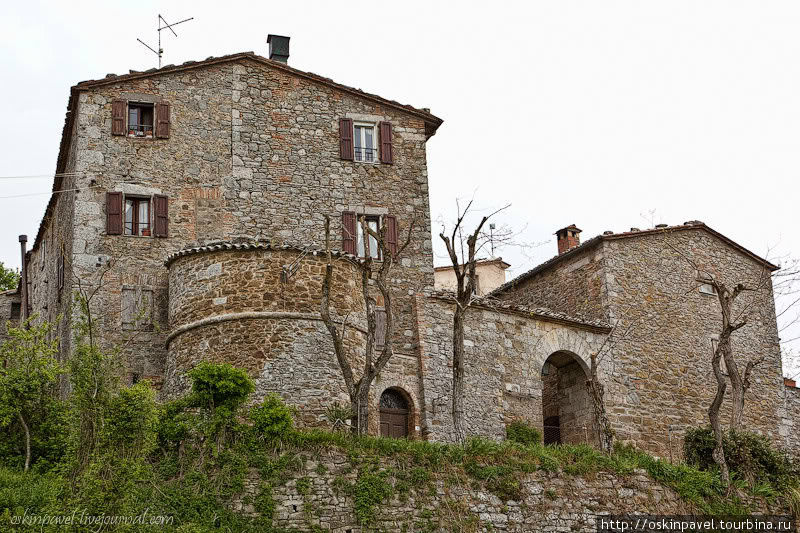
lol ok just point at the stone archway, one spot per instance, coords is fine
(396, 413)
(567, 412)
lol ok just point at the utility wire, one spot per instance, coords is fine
(70, 174)
(48, 192)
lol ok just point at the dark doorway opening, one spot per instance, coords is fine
(567, 414)
(394, 414)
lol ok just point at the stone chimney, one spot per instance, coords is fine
(278, 48)
(568, 238)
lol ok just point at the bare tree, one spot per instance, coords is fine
(358, 388)
(464, 269)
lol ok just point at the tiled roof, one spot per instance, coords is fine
(608, 236)
(543, 313)
(218, 246)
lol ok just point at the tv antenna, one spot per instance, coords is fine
(162, 25)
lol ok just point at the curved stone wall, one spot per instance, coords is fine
(234, 304)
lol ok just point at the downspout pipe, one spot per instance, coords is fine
(23, 244)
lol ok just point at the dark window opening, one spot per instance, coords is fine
(137, 216)
(16, 310)
(140, 120)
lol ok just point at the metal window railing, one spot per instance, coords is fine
(369, 155)
(140, 130)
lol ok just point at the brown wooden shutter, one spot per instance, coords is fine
(349, 232)
(346, 138)
(118, 116)
(113, 213)
(161, 209)
(162, 120)
(391, 233)
(386, 142)
(380, 328)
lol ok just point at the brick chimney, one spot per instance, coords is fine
(568, 238)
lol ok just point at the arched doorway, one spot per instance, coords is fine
(395, 409)
(567, 412)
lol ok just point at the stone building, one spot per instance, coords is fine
(190, 203)
(489, 275)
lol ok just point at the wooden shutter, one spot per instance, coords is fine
(386, 142)
(346, 138)
(162, 120)
(161, 209)
(349, 232)
(113, 213)
(391, 234)
(380, 328)
(118, 108)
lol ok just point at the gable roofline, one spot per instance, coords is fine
(432, 122)
(594, 241)
(479, 262)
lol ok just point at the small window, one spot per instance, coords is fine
(137, 216)
(140, 120)
(16, 309)
(708, 288)
(365, 146)
(373, 223)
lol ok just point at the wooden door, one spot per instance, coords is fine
(394, 422)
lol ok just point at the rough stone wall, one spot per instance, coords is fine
(252, 152)
(575, 413)
(663, 381)
(789, 413)
(232, 306)
(551, 502)
(575, 287)
(46, 299)
(7, 298)
(505, 352)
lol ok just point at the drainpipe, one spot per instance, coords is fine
(23, 241)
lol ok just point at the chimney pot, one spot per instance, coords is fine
(23, 238)
(568, 238)
(278, 47)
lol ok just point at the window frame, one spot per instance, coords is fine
(137, 104)
(360, 233)
(376, 155)
(135, 222)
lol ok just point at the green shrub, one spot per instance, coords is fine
(523, 433)
(131, 420)
(219, 386)
(272, 419)
(748, 454)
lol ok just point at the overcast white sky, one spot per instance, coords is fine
(585, 112)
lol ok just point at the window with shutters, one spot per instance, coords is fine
(354, 238)
(137, 216)
(365, 142)
(140, 119)
(145, 120)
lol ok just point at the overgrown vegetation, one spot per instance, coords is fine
(185, 463)
(9, 279)
(523, 433)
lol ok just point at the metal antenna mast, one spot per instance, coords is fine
(165, 26)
